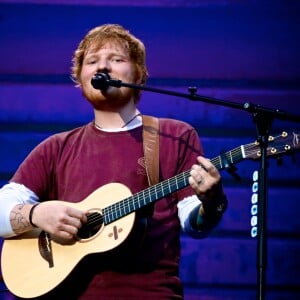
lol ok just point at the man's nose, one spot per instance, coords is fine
(103, 66)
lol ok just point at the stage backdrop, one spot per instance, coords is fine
(236, 51)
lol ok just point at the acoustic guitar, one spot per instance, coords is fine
(34, 263)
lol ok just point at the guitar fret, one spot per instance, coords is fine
(106, 215)
(135, 201)
(115, 214)
(220, 161)
(149, 192)
(231, 159)
(128, 206)
(144, 195)
(176, 182)
(154, 187)
(161, 189)
(169, 185)
(242, 151)
(121, 207)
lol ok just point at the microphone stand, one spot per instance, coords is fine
(263, 118)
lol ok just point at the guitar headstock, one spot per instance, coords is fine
(280, 144)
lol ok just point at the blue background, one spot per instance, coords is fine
(236, 51)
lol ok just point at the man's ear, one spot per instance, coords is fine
(139, 77)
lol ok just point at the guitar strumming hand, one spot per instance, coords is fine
(59, 220)
(54, 218)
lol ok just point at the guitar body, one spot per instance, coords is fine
(33, 264)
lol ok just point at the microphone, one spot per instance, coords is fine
(101, 81)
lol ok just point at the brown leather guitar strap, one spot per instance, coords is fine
(151, 148)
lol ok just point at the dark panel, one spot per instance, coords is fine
(232, 262)
(63, 103)
(241, 41)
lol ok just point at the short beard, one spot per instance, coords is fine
(110, 101)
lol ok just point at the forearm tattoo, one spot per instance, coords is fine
(18, 221)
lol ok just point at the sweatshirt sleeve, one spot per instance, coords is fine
(11, 195)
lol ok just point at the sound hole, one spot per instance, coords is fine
(93, 225)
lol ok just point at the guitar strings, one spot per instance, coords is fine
(131, 203)
(113, 210)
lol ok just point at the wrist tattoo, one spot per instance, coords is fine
(18, 221)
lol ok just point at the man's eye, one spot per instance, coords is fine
(117, 59)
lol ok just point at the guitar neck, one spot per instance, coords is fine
(164, 188)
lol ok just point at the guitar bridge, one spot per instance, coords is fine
(45, 248)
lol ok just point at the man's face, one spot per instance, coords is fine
(115, 60)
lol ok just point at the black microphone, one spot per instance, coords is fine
(101, 81)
